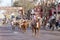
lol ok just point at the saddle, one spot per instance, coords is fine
(15, 23)
(33, 24)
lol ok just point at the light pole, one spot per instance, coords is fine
(57, 8)
(12, 2)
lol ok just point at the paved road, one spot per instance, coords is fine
(7, 34)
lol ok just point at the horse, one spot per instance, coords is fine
(35, 27)
(4, 21)
(21, 24)
(24, 26)
(15, 24)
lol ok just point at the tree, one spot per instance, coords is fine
(24, 3)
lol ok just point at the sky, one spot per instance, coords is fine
(5, 2)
